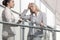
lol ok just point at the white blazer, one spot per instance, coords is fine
(7, 16)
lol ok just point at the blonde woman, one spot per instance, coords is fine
(37, 19)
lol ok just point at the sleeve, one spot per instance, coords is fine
(24, 16)
(44, 19)
(8, 16)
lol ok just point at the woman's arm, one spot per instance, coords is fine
(24, 16)
(44, 20)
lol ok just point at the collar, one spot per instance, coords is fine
(37, 14)
(8, 9)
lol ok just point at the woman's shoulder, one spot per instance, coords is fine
(6, 10)
(43, 13)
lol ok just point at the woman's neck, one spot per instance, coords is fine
(9, 7)
(36, 13)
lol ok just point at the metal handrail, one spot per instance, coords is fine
(19, 15)
(16, 12)
(21, 25)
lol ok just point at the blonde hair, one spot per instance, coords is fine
(33, 4)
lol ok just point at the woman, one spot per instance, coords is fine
(7, 16)
(37, 19)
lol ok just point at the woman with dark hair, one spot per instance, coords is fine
(7, 16)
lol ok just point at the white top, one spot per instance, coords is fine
(8, 15)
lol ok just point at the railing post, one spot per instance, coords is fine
(54, 35)
(23, 31)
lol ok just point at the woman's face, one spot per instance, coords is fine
(11, 3)
(33, 8)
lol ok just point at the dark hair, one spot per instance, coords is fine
(5, 2)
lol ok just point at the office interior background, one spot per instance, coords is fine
(44, 6)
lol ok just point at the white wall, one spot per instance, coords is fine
(57, 33)
(1, 24)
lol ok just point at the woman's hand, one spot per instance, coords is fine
(5, 34)
(29, 6)
(41, 24)
(20, 20)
